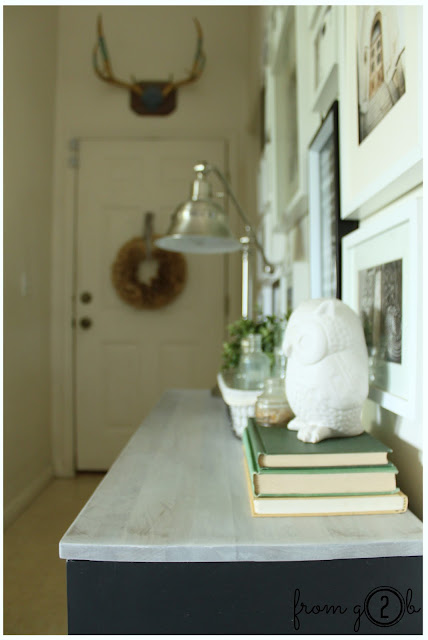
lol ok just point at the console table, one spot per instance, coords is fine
(167, 545)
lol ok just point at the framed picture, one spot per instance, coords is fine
(285, 124)
(383, 283)
(381, 106)
(289, 108)
(326, 226)
(325, 59)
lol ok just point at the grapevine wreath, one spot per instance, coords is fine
(162, 289)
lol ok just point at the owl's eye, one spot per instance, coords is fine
(310, 345)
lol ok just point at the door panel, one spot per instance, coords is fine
(128, 357)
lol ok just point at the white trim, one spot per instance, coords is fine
(24, 499)
(295, 210)
(62, 406)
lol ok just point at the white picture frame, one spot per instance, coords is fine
(387, 163)
(285, 133)
(280, 301)
(394, 235)
(313, 13)
(325, 65)
(290, 114)
(300, 282)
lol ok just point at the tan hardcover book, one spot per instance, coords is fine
(318, 480)
(325, 505)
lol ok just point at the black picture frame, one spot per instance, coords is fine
(326, 226)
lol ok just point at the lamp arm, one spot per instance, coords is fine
(206, 168)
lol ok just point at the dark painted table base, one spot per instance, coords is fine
(362, 596)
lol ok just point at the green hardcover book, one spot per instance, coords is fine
(280, 447)
(318, 480)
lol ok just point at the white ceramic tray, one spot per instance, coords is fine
(241, 404)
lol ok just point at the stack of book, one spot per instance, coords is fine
(287, 477)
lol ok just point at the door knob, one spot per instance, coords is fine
(85, 297)
(85, 323)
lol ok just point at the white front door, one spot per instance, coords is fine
(127, 357)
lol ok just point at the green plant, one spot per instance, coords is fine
(270, 328)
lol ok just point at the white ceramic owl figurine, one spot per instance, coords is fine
(327, 370)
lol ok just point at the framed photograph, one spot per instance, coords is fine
(381, 106)
(383, 282)
(326, 226)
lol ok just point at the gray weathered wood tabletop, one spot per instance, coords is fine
(178, 493)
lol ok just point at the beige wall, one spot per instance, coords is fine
(407, 457)
(152, 43)
(29, 83)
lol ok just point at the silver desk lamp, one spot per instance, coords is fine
(200, 225)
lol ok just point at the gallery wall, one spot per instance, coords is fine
(390, 177)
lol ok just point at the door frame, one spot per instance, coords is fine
(63, 274)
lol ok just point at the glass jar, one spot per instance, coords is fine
(279, 364)
(254, 365)
(272, 408)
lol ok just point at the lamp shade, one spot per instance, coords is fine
(199, 225)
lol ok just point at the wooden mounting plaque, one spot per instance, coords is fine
(166, 107)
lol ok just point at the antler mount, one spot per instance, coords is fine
(150, 97)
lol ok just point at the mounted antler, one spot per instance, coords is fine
(150, 97)
(198, 63)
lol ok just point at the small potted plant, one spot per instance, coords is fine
(271, 328)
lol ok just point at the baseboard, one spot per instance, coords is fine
(24, 499)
